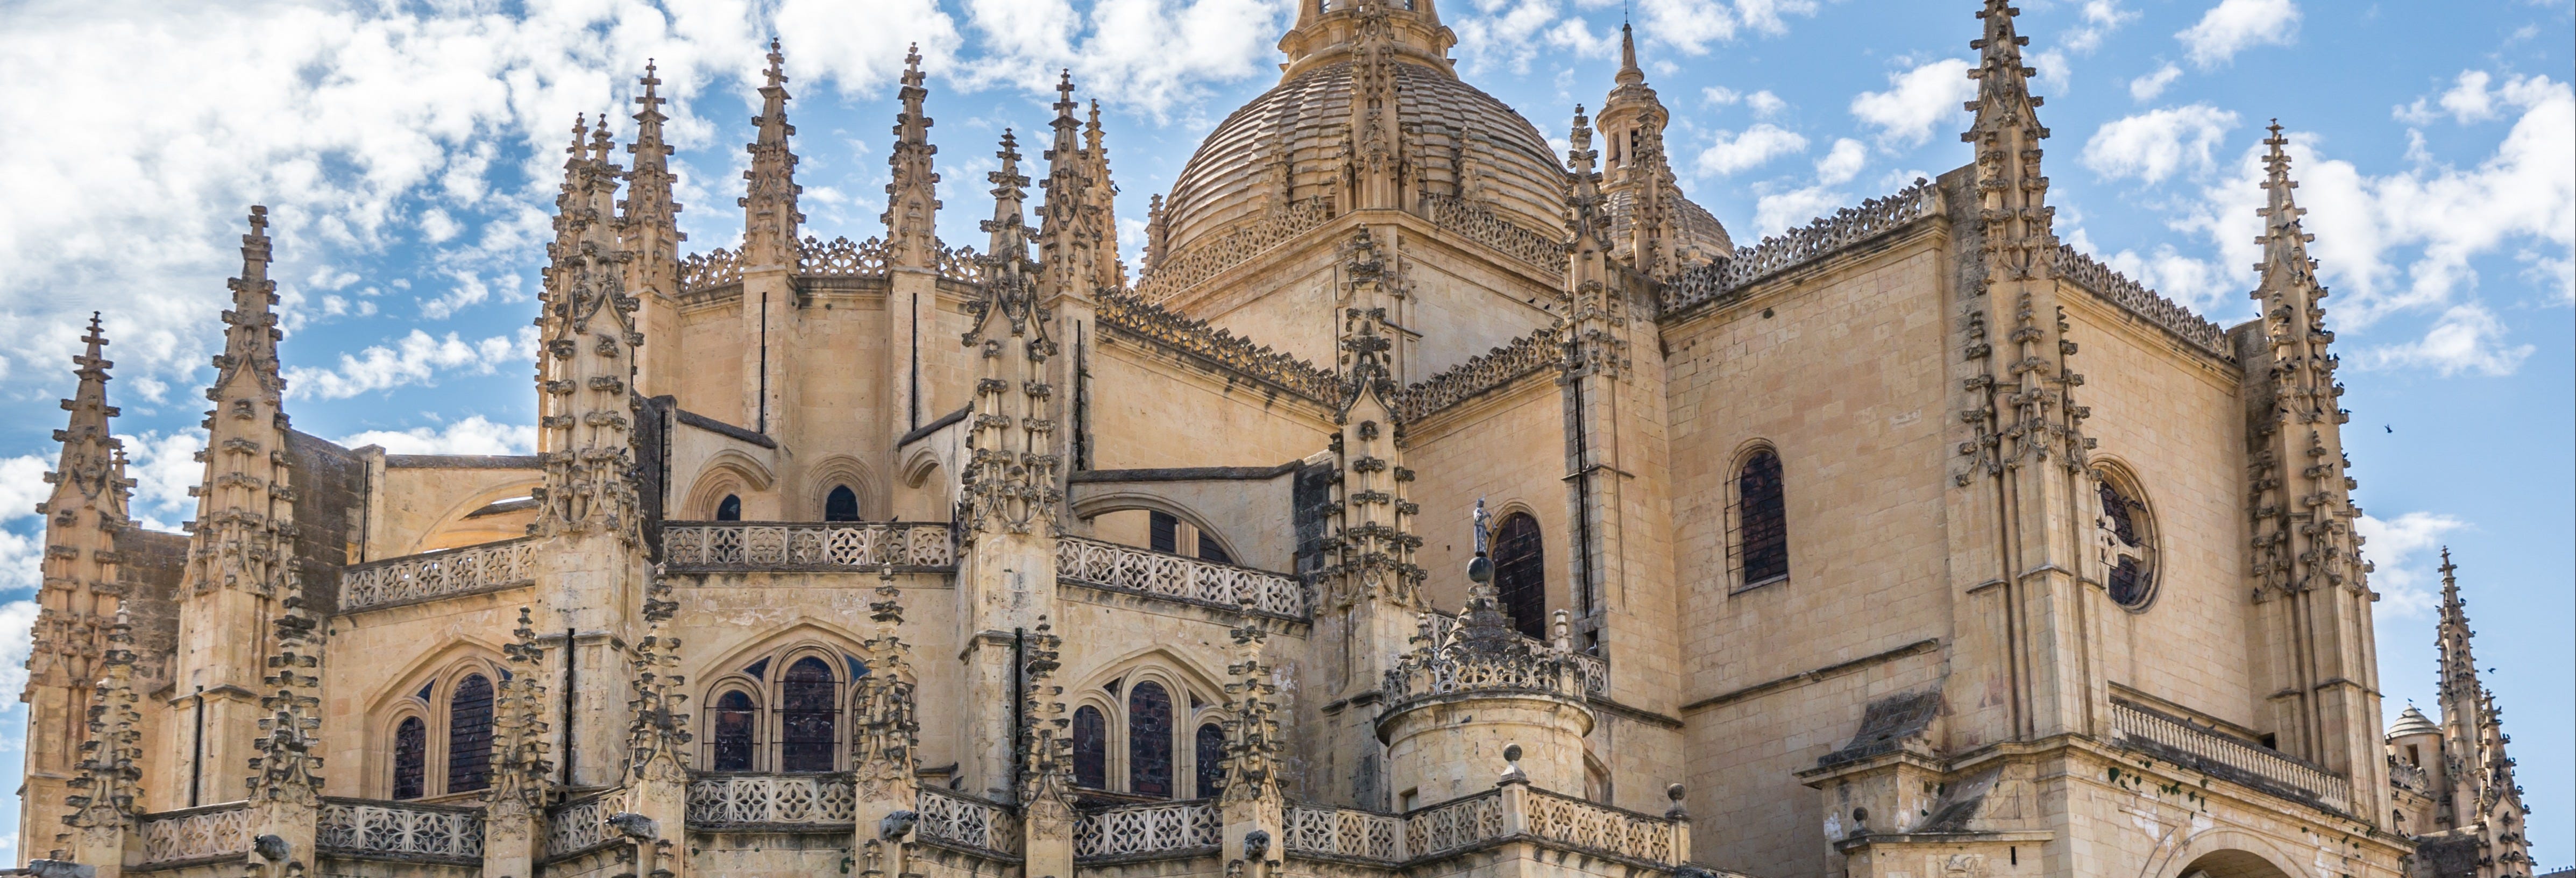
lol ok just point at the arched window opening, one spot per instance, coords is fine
(1763, 519)
(1090, 748)
(729, 508)
(1211, 757)
(1210, 551)
(734, 741)
(469, 735)
(2128, 544)
(1149, 740)
(1163, 532)
(411, 758)
(842, 505)
(1520, 574)
(805, 716)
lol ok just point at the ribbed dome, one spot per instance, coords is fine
(1446, 125)
(2412, 722)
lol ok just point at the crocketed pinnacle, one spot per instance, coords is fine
(1585, 220)
(912, 199)
(586, 369)
(245, 507)
(2006, 133)
(109, 781)
(1068, 222)
(2304, 518)
(251, 333)
(1009, 225)
(2285, 244)
(85, 475)
(1107, 269)
(648, 223)
(83, 513)
(770, 219)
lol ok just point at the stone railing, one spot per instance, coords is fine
(956, 819)
(2227, 757)
(1186, 269)
(1530, 353)
(714, 268)
(840, 257)
(1483, 226)
(1127, 568)
(581, 824)
(1345, 832)
(2116, 288)
(2408, 776)
(1795, 247)
(772, 800)
(728, 545)
(196, 833)
(401, 830)
(958, 264)
(1454, 824)
(1128, 312)
(1161, 827)
(414, 578)
(1442, 629)
(1570, 821)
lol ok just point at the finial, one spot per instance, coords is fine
(777, 64)
(1628, 72)
(580, 134)
(1064, 95)
(1480, 569)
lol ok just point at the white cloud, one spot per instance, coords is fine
(2056, 73)
(22, 485)
(2236, 25)
(1691, 25)
(474, 435)
(2469, 100)
(1763, 103)
(1729, 153)
(2404, 581)
(1779, 211)
(2146, 88)
(2467, 338)
(17, 619)
(164, 468)
(1151, 54)
(415, 359)
(2101, 17)
(2152, 146)
(1917, 101)
(1842, 163)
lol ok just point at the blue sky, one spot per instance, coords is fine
(408, 152)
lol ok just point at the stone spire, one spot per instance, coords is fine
(107, 787)
(587, 326)
(2018, 223)
(1371, 553)
(83, 515)
(1375, 170)
(648, 228)
(1070, 220)
(657, 739)
(2303, 519)
(769, 203)
(1108, 270)
(1157, 231)
(286, 777)
(522, 777)
(912, 200)
(2485, 801)
(1587, 215)
(1639, 176)
(1010, 482)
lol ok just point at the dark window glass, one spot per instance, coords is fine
(1209, 550)
(1765, 519)
(805, 716)
(734, 739)
(469, 735)
(1520, 574)
(1211, 760)
(842, 505)
(2130, 579)
(1090, 748)
(729, 508)
(411, 757)
(1165, 531)
(1149, 740)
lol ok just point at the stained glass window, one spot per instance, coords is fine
(1763, 518)
(842, 505)
(1211, 755)
(1520, 574)
(733, 727)
(1090, 748)
(469, 735)
(805, 716)
(2132, 555)
(1149, 740)
(411, 757)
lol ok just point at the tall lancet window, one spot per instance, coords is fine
(1762, 519)
(1090, 748)
(733, 731)
(469, 735)
(411, 758)
(1520, 574)
(841, 505)
(1149, 740)
(1211, 757)
(806, 715)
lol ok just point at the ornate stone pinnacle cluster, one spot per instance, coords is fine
(648, 222)
(246, 507)
(657, 742)
(1252, 738)
(586, 368)
(289, 767)
(1046, 742)
(1077, 240)
(889, 728)
(770, 218)
(110, 777)
(2302, 504)
(1009, 482)
(912, 198)
(520, 770)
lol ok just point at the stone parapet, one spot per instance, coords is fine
(2137, 728)
(1126, 568)
(411, 579)
(402, 830)
(211, 832)
(1823, 237)
(745, 546)
(1178, 829)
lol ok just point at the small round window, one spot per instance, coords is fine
(2126, 533)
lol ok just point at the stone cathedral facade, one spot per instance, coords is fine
(1425, 503)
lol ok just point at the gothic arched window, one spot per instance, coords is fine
(729, 508)
(1762, 520)
(2128, 539)
(734, 738)
(469, 735)
(1149, 740)
(411, 758)
(1090, 748)
(806, 714)
(1211, 758)
(841, 505)
(1520, 574)
(1210, 551)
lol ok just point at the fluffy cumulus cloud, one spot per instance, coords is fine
(2401, 549)
(164, 467)
(1763, 103)
(1780, 210)
(1693, 25)
(22, 486)
(417, 358)
(2101, 17)
(1151, 54)
(2148, 87)
(1730, 152)
(473, 435)
(2467, 338)
(1916, 102)
(2233, 26)
(2152, 146)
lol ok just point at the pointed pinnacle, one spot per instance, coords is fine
(1628, 71)
(1064, 103)
(777, 64)
(580, 134)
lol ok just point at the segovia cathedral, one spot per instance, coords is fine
(1425, 505)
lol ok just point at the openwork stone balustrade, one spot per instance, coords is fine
(955, 819)
(1183, 270)
(772, 800)
(1139, 316)
(2227, 757)
(1483, 226)
(401, 830)
(196, 833)
(839, 257)
(1345, 832)
(413, 578)
(2118, 289)
(1161, 827)
(1127, 568)
(709, 545)
(1512, 811)
(581, 824)
(1594, 827)
(1537, 351)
